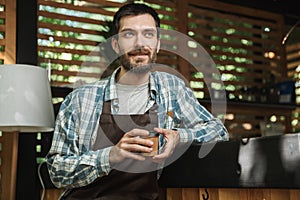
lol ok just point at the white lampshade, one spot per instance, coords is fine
(25, 99)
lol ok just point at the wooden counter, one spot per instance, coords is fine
(260, 168)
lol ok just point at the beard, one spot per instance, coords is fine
(138, 68)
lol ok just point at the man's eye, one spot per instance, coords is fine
(149, 34)
(128, 34)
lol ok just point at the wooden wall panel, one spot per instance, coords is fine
(10, 32)
(231, 194)
(190, 193)
(241, 37)
(293, 63)
(294, 194)
(8, 165)
(8, 141)
(173, 194)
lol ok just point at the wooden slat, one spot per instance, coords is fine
(209, 33)
(75, 62)
(293, 65)
(9, 157)
(75, 8)
(68, 28)
(2, 15)
(249, 56)
(240, 10)
(62, 84)
(2, 55)
(167, 61)
(212, 192)
(228, 15)
(10, 32)
(170, 4)
(174, 194)
(105, 3)
(68, 40)
(190, 193)
(78, 74)
(65, 50)
(170, 23)
(229, 193)
(166, 12)
(205, 42)
(244, 65)
(294, 194)
(279, 194)
(293, 55)
(293, 47)
(71, 18)
(2, 28)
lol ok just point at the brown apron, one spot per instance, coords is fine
(122, 184)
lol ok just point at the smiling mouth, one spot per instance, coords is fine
(139, 53)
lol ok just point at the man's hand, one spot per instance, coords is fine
(172, 139)
(131, 142)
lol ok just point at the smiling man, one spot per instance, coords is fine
(102, 138)
(137, 43)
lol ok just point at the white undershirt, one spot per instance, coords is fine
(132, 98)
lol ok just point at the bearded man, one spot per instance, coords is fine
(102, 147)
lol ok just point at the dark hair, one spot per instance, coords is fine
(133, 9)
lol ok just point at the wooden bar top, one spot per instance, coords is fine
(262, 162)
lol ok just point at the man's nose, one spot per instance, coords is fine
(139, 42)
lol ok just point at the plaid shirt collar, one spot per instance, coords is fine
(111, 89)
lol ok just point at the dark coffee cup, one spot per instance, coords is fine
(154, 137)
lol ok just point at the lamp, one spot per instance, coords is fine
(25, 106)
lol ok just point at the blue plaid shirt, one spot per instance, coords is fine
(70, 161)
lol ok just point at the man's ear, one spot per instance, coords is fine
(115, 45)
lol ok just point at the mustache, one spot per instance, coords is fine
(139, 51)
